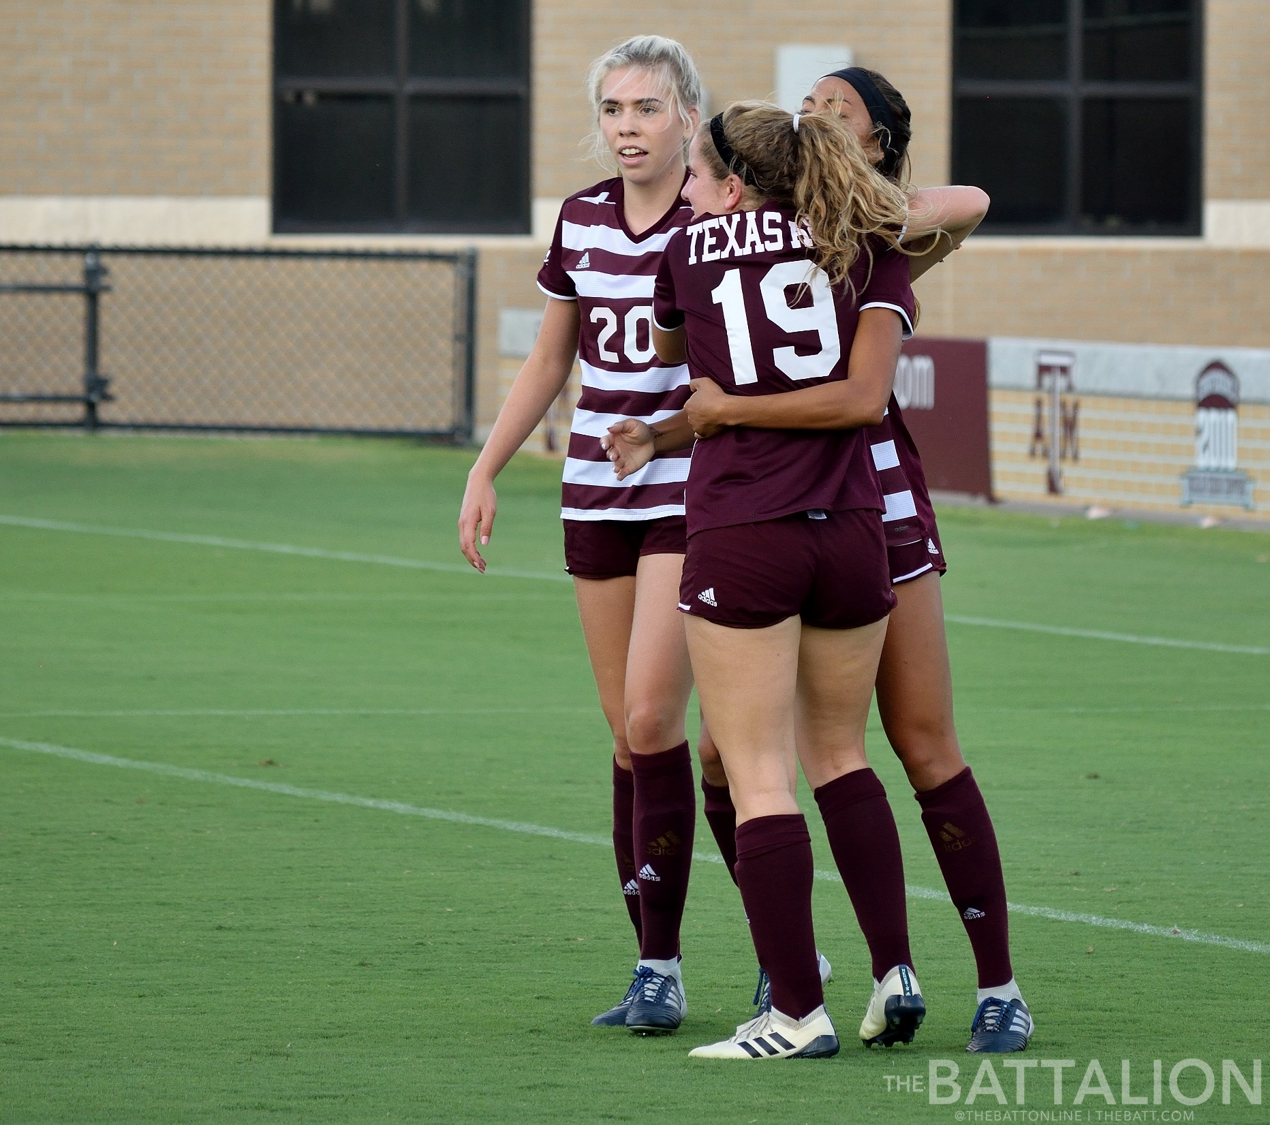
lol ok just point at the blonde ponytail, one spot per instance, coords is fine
(822, 172)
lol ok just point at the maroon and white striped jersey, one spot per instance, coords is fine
(909, 515)
(595, 260)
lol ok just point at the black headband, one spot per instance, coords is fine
(879, 110)
(733, 163)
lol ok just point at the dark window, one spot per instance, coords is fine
(401, 115)
(1080, 116)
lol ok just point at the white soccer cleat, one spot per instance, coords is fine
(826, 969)
(896, 1009)
(775, 1035)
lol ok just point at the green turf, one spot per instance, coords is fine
(180, 950)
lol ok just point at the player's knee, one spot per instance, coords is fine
(650, 730)
(711, 763)
(930, 756)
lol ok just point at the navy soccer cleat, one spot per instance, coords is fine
(616, 1017)
(1000, 1027)
(658, 1006)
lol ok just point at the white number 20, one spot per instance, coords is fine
(819, 317)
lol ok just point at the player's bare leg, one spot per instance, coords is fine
(914, 686)
(915, 699)
(607, 609)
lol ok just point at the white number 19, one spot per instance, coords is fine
(819, 317)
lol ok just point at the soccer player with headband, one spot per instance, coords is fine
(914, 684)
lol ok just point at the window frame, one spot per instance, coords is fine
(1074, 90)
(403, 88)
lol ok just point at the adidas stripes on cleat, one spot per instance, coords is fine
(896, 1009)
(658, 1006)
(763, 993)
(774, 1035)
(616, 1017)
(1000, 1027)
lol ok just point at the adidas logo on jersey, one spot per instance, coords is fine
(630, 888)
(585, 263)
(648, 874)
(931, 548)
(970, 914)
(707, 596)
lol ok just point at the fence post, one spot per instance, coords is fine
(94, 383)
(467, 423)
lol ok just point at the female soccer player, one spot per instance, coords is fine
(914, 685)
(624, 541)
(789, 273)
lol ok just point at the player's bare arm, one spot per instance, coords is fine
(539, 382)
(631, 444)
(858, 400)
(954, 212)
(671, 344)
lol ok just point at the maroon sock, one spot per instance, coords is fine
(665, 816)
(960, 831)
(721, 816)
(623, 840)
(774, 872)
(866, 848)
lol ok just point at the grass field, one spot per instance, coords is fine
(177, 948)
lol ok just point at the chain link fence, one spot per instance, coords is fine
(299, 341)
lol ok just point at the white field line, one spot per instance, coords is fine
(271, 548)
(1100, 635)
(462, 568)
(581, 837)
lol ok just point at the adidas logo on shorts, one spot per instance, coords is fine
(585, 263)
(648, 874)
(931, 548)
(630, 889)
(970, 914)
(707, 596)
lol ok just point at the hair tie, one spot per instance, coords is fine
(733, 163)
(796, 117)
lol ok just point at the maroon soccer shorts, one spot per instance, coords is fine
(831, 572)
(612, 548)
(912, 560)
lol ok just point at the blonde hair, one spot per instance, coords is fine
(667, 59)
(821, 171)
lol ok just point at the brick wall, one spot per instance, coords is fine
(1132, 453)
(1152, 291)
(134, 97)
(733, 45)
(1237, 99)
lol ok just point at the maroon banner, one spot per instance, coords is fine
(942, 387)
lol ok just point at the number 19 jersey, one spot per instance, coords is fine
(762, 319)
(595, 260)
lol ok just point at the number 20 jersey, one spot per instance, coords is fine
(595, 260)
(762, 319)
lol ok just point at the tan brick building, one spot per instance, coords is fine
(151, 121)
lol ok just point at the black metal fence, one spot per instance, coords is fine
(301, 341)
